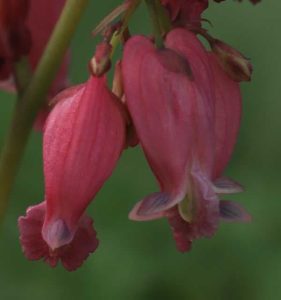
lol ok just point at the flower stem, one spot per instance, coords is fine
(160, 20)
(117, 37)
(27, 108)
(22, 74)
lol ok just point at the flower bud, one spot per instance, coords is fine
(234, 63)
(101, 62)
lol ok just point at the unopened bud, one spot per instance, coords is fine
(101, 61)
(234, 63)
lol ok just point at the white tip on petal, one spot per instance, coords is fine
(224, 185)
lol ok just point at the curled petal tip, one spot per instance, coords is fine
(233, 212)
(224, 185)
(153, 206)
(134, 214)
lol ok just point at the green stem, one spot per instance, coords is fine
(27, 108)
(117, 37)
(160, 20)
(22, 75)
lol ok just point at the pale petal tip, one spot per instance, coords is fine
(134, 214)
(153, 206)
(225, 185)
(233, 212)
(56, 234)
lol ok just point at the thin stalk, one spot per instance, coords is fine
(27, 108)
(22, 74)
(117, 37)
(160, 21)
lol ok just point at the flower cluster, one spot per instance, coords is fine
(179, 101)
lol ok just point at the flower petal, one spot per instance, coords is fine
(225, 185)
(233, 212)
(35, 248)
(228, 109)
(151, 207)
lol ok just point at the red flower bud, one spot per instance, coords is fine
(235, 64)
(101, 62)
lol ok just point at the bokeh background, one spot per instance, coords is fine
(138, 260)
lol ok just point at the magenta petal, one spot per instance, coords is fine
(30, 227)
(181, 230)
(206, 215)
(71, 255)
(233, 212)
(189, 46)
(83, 243)
(228, 115)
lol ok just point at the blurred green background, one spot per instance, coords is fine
(138, 260)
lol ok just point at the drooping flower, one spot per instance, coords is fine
(174, 112)
(83, 139)
(173, 120)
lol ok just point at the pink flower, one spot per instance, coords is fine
(173, 96)
(83, 139)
